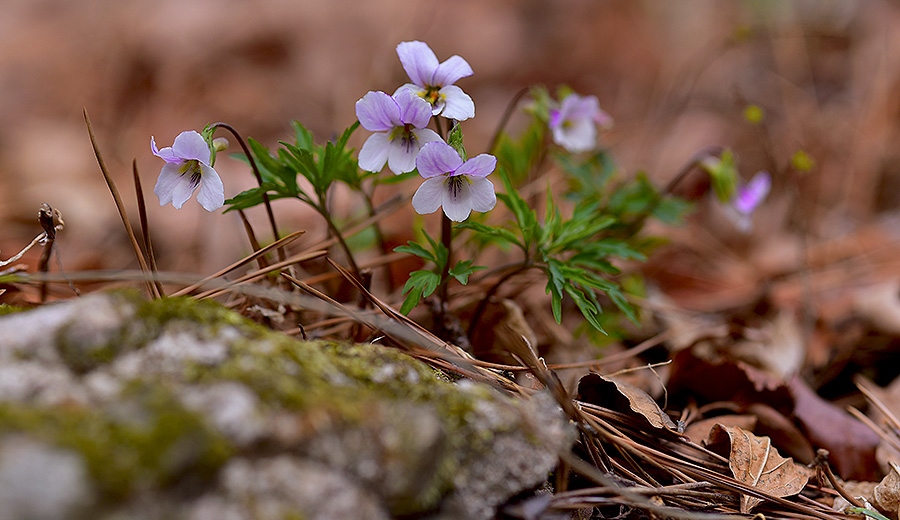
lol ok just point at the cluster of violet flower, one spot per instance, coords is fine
(402, 140)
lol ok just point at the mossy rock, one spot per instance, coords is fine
(179, 408)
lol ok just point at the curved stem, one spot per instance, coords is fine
(447, 240)
(255, 168)
(507, 114)
(340, 238)
(482, 305)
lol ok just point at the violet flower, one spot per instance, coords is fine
(434, 81)
(188, 167)
(748, 197)
(574, 123)
(399, 123)
(458, 186)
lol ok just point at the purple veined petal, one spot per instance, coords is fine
(425, 136)
(165, 154)
(751, 195)
(190, 145)
(428, 197)
(183, 191)
(451, 71)
(418, 61)
(402, 155)
(414, 109)
(457, 198)
(457, 104)
(437, 158)
(378, 112)
(412, 87)
(374, 152)
(169, 177)
(483, 196)
(212, 193)
(479, 166)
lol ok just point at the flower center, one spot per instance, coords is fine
(404, 134)
(455, 184)
(432, 94)
(192, 168)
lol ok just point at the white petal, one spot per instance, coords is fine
(402, 156)
(425, 136)
(374, 152)
(212, 193)
(483, 197)
(183, 191)
(579, 136)
(169, 177)
(427, 198)
(457, 104)
(458, 205)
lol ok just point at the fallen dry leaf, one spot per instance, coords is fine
(850, 443)
(698, 431)
(887, 492)
(620, 396)
(756, 463)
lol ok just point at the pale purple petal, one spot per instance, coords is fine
(428, 197)
(212, 193)
(169, 177)
(374, 152)
(378, 112)
(603, 119)
(457, 104)
(457, 202)
(165, 154)
(751, 195)
(414, 109)
(425, 136)
(437, 158)
(483, 196)
(479, 166)
(191, 146)
(578, 135)
(450, 71)
(402, 156)
(418, 61)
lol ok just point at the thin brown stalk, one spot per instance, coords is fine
(120, 206)
(247, 259)
(262, 272)
(251, 236)
(259, 179)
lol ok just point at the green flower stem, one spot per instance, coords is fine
(255, 168)
(323, 210)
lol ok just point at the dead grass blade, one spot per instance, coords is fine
(247, 259)
(249, 277)
(145, 225)
(120, 206)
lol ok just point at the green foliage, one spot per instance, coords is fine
(577, 253)
(320, 165)
(423, 282)
(455, 140)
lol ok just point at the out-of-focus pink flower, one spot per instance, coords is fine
(574, 124)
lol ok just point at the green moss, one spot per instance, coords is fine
(147, 440)
(9, 309)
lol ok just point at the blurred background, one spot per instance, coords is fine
(675, 76)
